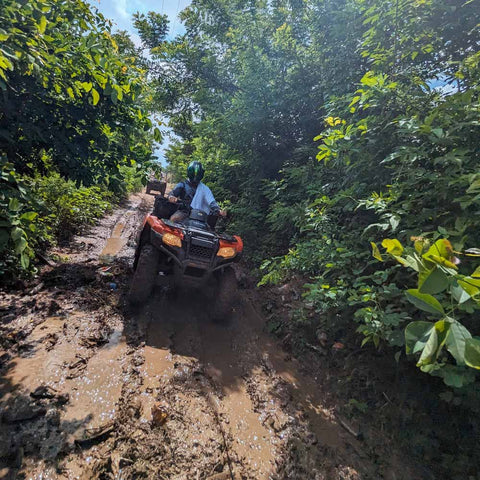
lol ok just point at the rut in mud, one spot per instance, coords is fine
(93, 389)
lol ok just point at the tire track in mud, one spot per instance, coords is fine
(271, 420)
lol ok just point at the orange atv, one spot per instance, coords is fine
(188, 254)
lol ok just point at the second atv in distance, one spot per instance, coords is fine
(187, 254)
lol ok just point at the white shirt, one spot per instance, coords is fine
(204, 199)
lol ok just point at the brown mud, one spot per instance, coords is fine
(92, 389)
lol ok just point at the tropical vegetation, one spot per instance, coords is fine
(74, 124)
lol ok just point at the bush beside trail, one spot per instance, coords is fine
(75, 132)
(56, 209)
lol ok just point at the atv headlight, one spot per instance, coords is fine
(226, 252)
(172, 240)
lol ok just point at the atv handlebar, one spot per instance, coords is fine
(181, 203)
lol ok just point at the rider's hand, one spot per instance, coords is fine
(172, 199)
(222, 213)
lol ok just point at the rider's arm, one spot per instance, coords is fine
(214, 207)
(177, 192)
(210, 199)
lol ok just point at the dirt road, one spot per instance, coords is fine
(92, 389)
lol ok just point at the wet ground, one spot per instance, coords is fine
(93, 389)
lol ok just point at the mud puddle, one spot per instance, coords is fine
(254, 420)
(62, 374)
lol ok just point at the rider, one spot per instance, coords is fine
(194, 193)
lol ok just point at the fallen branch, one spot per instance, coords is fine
(349, 428)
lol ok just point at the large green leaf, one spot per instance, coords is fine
(24, 261)
(430, 349)
(424, 301)
(459, 294)
(455, 342)
(87, 86)
(17, 233)
(434, 283)
(409, 261)
(14, 204)
(441, 253)
(476, 273)
(455, 376)
(441, 248)
(470, 285)
(42, 24)
(20, 245)
(29, 216)
(472, 352)
(435, 343)
(417, 335)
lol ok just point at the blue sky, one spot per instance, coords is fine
(121, 11)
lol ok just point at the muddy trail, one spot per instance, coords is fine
(93, 389)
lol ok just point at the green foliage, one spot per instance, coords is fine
(16, 220)
(67, 207)
(152, 28)
(133, 178)
(72, 104)
(59, 210)
(397, 157)
(456, 295)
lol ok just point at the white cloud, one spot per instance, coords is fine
(121, 9)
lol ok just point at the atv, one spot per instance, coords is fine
(188, 254)
(156, 185)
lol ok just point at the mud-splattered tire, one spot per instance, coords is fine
(145, 274)
(225, 295)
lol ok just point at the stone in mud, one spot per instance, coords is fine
(53, 417)
(159, 414)
(97, 337)
(44, 391)
(62, 398)
(53, 307)
(276, 424)
(47, 392)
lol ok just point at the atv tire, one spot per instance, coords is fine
(145, 274)
(225, 295)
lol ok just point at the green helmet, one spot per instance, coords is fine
(195, 172)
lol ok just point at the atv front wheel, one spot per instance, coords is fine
(225, 294)
(145, 274)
